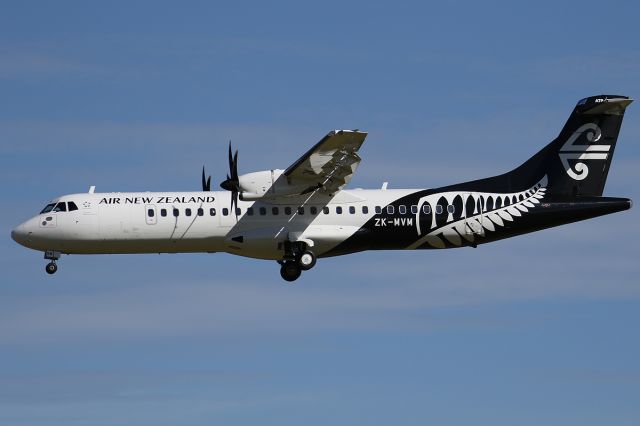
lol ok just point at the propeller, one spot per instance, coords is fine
(206, 184)
(232, 182)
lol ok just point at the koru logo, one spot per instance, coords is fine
(570, 151)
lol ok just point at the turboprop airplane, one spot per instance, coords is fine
(297, 215)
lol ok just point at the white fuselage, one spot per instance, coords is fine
(173, 222)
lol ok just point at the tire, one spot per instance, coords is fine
(307, 260)
(51, 268)
(290, 271)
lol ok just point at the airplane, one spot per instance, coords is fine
(298, 215)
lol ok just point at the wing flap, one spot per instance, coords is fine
(330, 164)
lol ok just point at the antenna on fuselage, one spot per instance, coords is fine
(92, 189)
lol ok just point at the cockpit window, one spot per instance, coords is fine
(48, 208)
(59, 207)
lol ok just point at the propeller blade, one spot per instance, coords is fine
(206, 183)
(234, 203)
(230, 160)
(234, 171)
(232, 182)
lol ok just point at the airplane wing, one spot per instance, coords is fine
(330, 164)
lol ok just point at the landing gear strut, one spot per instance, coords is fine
(297, 258)
(52, 266)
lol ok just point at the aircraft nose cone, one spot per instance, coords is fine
(19, 234)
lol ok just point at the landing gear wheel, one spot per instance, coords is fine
(290, 271)
(51, 268)
(307, 260)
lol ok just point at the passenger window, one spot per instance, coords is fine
(263, 211)
(287, 211)
(339, 210)
(402, 209)
(426, 209)
(176, 212)
(325, 210)
(365, 210)
(378, 209)
(314, 210)
(250, 211)
(72, 206)
(300, 210)
(352, 210)
(439, 209)
(275, 211)
(414, 209)
(200, 212)
(151, 212)
(163, 212)
(187, 212)
(225, 212)
(238, 211)
(60, 207)
(48, 208)
(212, 212)
(391, 209)
(451, 208)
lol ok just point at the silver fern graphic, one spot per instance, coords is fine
(482, 218)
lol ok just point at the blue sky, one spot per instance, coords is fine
(138, 95)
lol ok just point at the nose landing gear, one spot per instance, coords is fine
(52, 266)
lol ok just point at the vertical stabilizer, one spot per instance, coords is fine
(577, 162)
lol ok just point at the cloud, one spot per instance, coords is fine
(124, 398)
(29, 62)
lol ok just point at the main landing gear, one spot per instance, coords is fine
(297, 259)
(52, 266)
(290, 270)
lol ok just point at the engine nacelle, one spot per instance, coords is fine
(255, 185)
(266, 184)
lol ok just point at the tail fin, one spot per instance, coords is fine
(577, 161)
